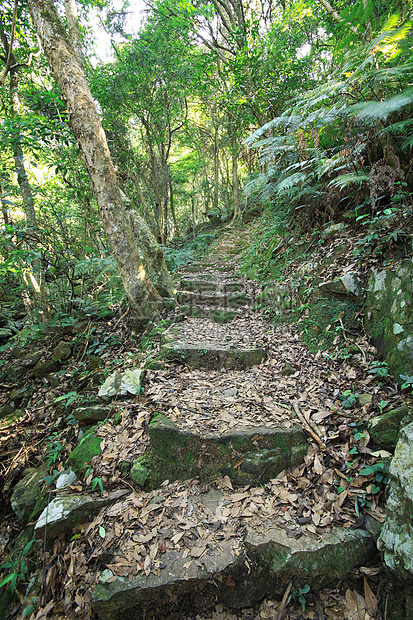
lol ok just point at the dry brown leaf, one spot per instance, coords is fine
(372, 604)
(318, 468)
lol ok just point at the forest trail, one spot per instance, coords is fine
(255, 502)
(255, 510)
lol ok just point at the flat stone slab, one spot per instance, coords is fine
(65, 512)
(236, 569)
(190, 298)
(198, 286)
(183, 585)
(246, 455)
(212, 357)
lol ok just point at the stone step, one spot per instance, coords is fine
(203, 285)
(217, 315)
(247, 455)
(199, 285)
(211, 356)
(233, 300)
(205, 556)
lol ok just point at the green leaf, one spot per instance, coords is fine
(102, 531)
(367, 470)
(11, 579)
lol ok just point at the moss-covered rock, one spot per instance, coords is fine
(307, 560)
(29, 496)
(139, 473)
(384, 429)
(247, 456)
(389, 316)
(45, 368)
(87, 448)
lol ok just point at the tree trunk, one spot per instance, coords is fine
(87, 129)
(22, 178)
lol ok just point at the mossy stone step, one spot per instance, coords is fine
(217, 315)
(199, 285)
(246, 455)
(188, 297)
(236, 300)
(211, 356)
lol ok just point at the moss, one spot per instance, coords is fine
(325, 313)
(88, 447)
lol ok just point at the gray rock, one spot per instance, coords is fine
(348, 285)
(389, 316)
(66, 479)
(65, 512)
(237, 572)
(176, 588)
(92, 413)
(396, 539)
(335, 228)
(122, 384)
(28, 492)
(212, 357)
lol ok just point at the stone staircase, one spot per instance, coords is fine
(231, 541)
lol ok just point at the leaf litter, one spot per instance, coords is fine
(134, 532)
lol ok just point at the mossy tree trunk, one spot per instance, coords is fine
(87, 129)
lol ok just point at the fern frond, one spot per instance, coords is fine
(289, 182)
(344, 180)
(380, 110)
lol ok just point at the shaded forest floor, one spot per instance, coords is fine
(335, 390)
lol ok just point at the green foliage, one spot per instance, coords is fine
(190, 249)
(55, 448)
(18, 569)
(348, 400)
(380, 471)
(310, 167)
(299, 594)
(379, 369)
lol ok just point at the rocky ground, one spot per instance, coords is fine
(266, 530)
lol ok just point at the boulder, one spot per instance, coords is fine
(384, 429)
(396, 539)
(122, 384)
(28, 494)
(389, 316)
